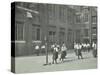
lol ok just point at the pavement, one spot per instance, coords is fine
(31, 64)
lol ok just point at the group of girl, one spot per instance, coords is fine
(56, 50)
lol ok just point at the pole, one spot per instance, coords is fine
(46, 28)
(46, 51)
(45, 24)
(90, 28)
(46, 54)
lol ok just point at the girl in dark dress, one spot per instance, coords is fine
(55, 55)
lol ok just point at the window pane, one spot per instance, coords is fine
(33, 33)
(50, 33)
(94, 19)
(38, 34)
(78, 19)
(86, 18)
(19, 31)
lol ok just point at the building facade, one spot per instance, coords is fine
(37, 23)
(86, 20)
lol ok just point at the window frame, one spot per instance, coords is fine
(17, 40)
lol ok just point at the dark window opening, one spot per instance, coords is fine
(19, 31)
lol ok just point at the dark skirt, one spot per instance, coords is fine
(63, 54)
(55, 55)
(79, 52)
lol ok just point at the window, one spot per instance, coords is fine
(94, 31)
(62, 35)
(50, 33)
(69, 35)
(86, 10)
(78, 19)
(71, 16)
(86, 14)
(36, 35)
(94, 19)
(51, 13)
(19, 31)
(85, 17)
(62, 14)
(52, 36)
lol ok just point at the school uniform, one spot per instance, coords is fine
(79, 52)
(75, 49)
(55, 54)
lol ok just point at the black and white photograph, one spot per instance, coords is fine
(48, 37)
